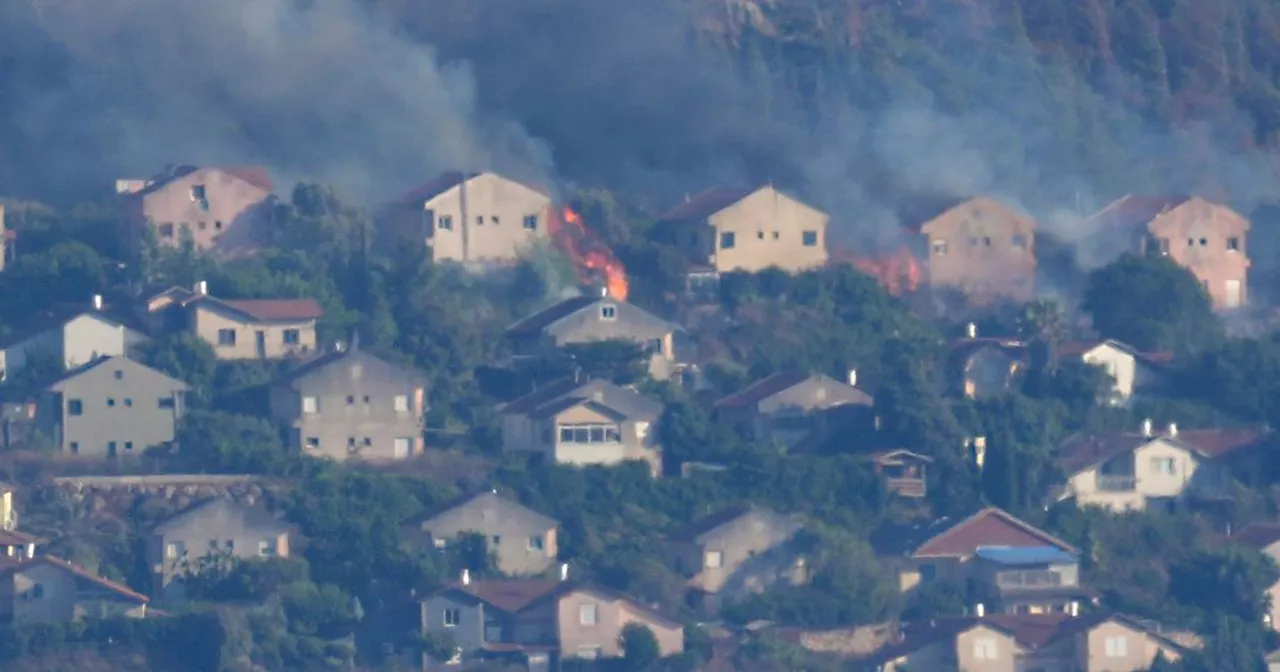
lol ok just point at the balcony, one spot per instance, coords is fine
(1117, 483)
(1028, 579)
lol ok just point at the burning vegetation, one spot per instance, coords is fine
(592, 259)
(899, 273)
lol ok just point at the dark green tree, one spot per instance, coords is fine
(1151, 303)
(640, 651)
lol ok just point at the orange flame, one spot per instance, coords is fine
(588, 252)
(899, 273)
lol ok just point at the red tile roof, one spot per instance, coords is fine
(258, 176)
(510, 595)
(706, 204)
(1257, 535)
(269, 310)
(988, 527)
(1214, 443)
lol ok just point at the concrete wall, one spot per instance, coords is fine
(208, 320)
(486, 220)
(983, 249)
(232, 222)
(1195, 235)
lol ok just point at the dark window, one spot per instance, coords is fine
(1191, 242)
(111, 402)
(986, 241)
(494, 220)
(351, 442)
(217, 225)
(726, 240)
(760, 235)
(292, 336)
(198, 193)
(531, 222)
(166, 402)
(74, 407)
(939, 246)
(608, 312)
(1233, 244)
(1204, 242)
(497, 539)
(810, 238)
(128, 445)
(75, 447)
(351, 400)
(226, 337)
(445, 223)
(775, 235)
(166, 230)
(480, 220)
(119, 374)
(313, 442)
(111, 449)
(202, 225)
(128, 403)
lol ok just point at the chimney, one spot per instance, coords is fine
(97, 302)
(604, 292)
(1074, 609)
(564, 571)
(466, 577)
(339, 346)
(853, 377)
(202, 288)
(1173, 430)
(971, 330)
(979, 610)
(1146, 427)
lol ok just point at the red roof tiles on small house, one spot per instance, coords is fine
(1214, 443)
(510, 595)
(988, 527)
(268, 310)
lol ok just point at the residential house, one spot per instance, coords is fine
(350, 404)
(17, 422)
(45, 589)
(983, 249)
(904, 472)
(211, 531)
(1264, 538)
(541, 620)
(737, 551)
(238, 329)
(584, 423)
(593, 319)
(474, 218)
(746, 229)
(1208, 239)
(1131, 370)
(791, 408)
(979, 368)
(68, 337)
(111, 406)
(997, 557)
(523, 540)
(1134, 471)
(999, 643)
(222, 210)
(14, 545)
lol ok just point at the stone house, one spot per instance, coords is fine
(983, 249)
(70, 336)
(237, 329)
(351, 404)
(524, 541)
(223, 210)
(214, 530)
(791, 408)
(45, 589)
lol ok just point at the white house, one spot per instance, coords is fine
(70, 336)
(1132, 370)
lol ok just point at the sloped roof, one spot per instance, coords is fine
(448, 180)
(252, 516)
(16, 538)
(892, 453)
(543, 395)
(295, 375)
(509, 595)
(60, 315)
(103, 361)
(506, 508)
(706, 204)
(627, 402)
(268, 310)
(81, 573)
(1257, 535)
(1134, 210)
(544, 318)
(762, 389)
(697, 528)
(989, 527)
(257, 176)
(565, 403)
(1214, 443)
(1081, 451)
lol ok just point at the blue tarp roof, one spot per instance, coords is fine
(1025, 555)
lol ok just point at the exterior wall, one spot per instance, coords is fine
(588, 325)
(232, 222)
(1181, 231)
(974, 249)
(516, 555)
(351, 409)
(611, 617)
(521, 434)
(468, 634)
(81, 340)
(1189, 473)
(937, 656)
(912, 573)
(126, 411)
(1140, 648)
(208, 531)
(62, 600)
(638, 441)
(1006, 651)
(487, 213)
(207, 321)
(740, 544)
(768, 229)
(1120, 365)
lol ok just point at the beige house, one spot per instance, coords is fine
(584, 423)
(794, 408)
(1206, 238)
(1002, 643)
(738, 551)
(523, 540)
(983, 249)
(70, 336)
(222, 209)
(592, 319)
(1131, 370)
(474, 218)
(750, 230)
(1264, 538)
(1133, 471)
(237, 329)
(213, 531)
(46, 589)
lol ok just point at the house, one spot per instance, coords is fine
(1131, 370)
(1264, 538)
(746, 229)
(70, 336)
(584, 423)
(474, 218)
(593, 319)
(997, 557)
(789, 408)
(17, 422)
(45, 589)
(111, 406)
(980, 368)
(14, 545)
(737, 551)
(237, 329)
(523, 540)
(1134, 471)
(541, 620)
(351, 404)
(212, 530)
(1090, 642)
(1206, 238)
(223, 210)
(903, 471)
(983, 249)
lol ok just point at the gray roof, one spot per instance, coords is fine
(116, 360)
(626, 314)
(564, 394)
(489, 500)
(385, 370)
(698, 530)
(253, 516)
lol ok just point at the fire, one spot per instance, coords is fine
(588, 252)
(899, 273)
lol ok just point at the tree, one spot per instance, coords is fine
(216, 441)
(639, 648)
(1151, 303)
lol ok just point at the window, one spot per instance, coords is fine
(531, 222)
(726, 240)
(351, 400)
(128, 446)
(226, 337)
(128, 403)
(37, 591)
(1164, 465)
(217, 226)
(496, 539)
(402, 403)
(1233, 244)
(590, 434)
(230, 545)
(439, 543)
(452, 617)
(174, 550)
(445, 223)
(119, 375)
(986, 241)
(535, 542)
(166, 402)
(202, 225)
(75, 447)
(480, 220)
(365, 399)
(74, 407)
(111, 402)
(1117, 647)
(351, 442)
(927, 572)
(402, 447)
(494, 220)
(198, 192)
(310, 405)
(313, 442)
(809, 238)
(292, 336)
(775, 235)
(166, 230)
(939, 247)
(608, 312)
(587, 614)
(1204, 242)
(984, 649)
(1019, 242)
(213, 544)
(713, 560)
(266, 548)
(368, 442)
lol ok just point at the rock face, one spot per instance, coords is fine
(114, 496)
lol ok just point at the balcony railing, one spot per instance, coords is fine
(1117, 483)
(1029, 579)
